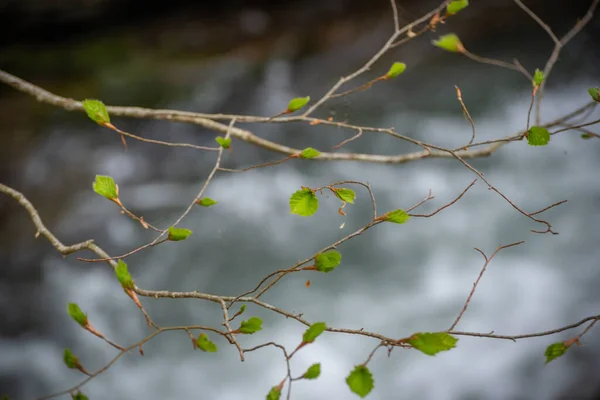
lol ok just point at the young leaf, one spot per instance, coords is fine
(537, 136)
(555, 350)
(297, 103)
(224, 142)
(251, 326)
(309, 152)
(313, 371)
(313, 332)
(79, 396)
(326, 262)
(206, 345)
(242, 309)
(396, 69)
(304, 203)
(432, 343)
(206, 202)
(274, 393)
(76, 313)
(595, 93)
(456, 6)
(346, 195)
(96, 110)
(538, 77)
(177, 234)
(586, 136)
(397, 216)
(449, 42)
(70, 360)
(105, 186)
(360, 381)
(123, 275)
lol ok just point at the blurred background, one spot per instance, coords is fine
(251, 57)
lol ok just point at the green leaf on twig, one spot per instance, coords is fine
(396, 69)
(304, 203)
(206, 202)
(360, 380)
(595, 93)
(224, 142)
(397, 216)
(251, 325)
(309, 152)
(297, 103)
(313, 371)
(432, 343)
(538, 77)
(79, 396)
(326, 262)
(205, 344)
(177, 234)
(537, 136)
(455, 6)
(123, 275)
(450, 42)
(105, 186)
(96, 110)
(76, 313)
(70, 359)
(555, 350)
(313, 332)
(274, 393)
(347, 195)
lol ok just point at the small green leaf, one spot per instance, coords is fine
(309, 152)
(456, 6)
(105, 186)
(96, 110)
(224, 142)
(449, 42)
(70, 360)
(79, 396)
(432, 343)
(326, 262)
(242, 309)
(538, 77)
(397, 216)
(297, 103)
(586, 136)
(346, 195)
(537, 136)
(313, 371)
(595, 93)
(396, 69)
(206, 202)
(304, 203)
(274, 393)
(206, 345)
(76, 313)
(313, 332)
(177, 234)
(360, 381)
(251, 326)
(123, 275)
(555, 350)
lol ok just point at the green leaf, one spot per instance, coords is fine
(360, 381)
(224, 142)
(274, 393)
(70, 360)
(251, 326)
(538, 77)
(242, 309)
(304, 203)
(79, 396)
(105, 186)
(449, 42)
(177, 234)
(555, 350)
(432, 343)
(456, 6)
(96, 110)
(537, 136)
(123, 275)
(313, 332)
(297, 103)
(313, 371)
(326, 262)
(309, 152)
(346, 195)
(397, 216)
(396, 69)
(595, 93)
(586, 136)
(206, 202)
(206, 345)
(76, 313)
